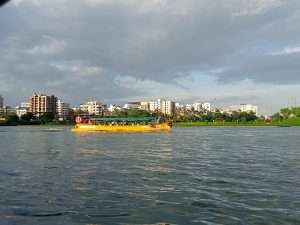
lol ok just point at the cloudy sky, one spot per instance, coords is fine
(223, 51)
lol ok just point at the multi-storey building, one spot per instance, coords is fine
(144, 106)
(113, 108)
(92, 107)
(153, 106)
(198, 106)
(163, 106)
(22, 109)
(206, 106)
(1, 101)
(249, 108)
(189, 106)
(168, 107)
(63, 109)
(132, 105)
(178, 105)
(6, 110)
(41, 103)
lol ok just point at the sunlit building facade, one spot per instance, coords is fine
(92, 107)
(161, 105)
(198, 106)
(22, 109)
(63, 109)
(41, 103)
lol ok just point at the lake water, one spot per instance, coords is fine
(187, 176)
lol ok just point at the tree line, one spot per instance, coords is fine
(12, 119)
(180, 115)
(286, 113)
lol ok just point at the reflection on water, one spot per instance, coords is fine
(187, 176)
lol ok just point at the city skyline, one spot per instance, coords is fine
(228, 52)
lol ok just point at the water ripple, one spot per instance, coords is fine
(187, 176)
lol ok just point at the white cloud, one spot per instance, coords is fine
(251, 7)
(135, 83)
(18, 2)
(80, 69)
(287, 50)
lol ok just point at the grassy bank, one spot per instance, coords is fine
(295, 121)
(220, 124)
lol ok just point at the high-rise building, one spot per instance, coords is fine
(63, 109)
(92, 107)
(1, 101)
(153, 106)
(41, 103)
(168, 107)
(163, 106)
(144, 106)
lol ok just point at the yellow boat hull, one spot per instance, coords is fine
(121, 128)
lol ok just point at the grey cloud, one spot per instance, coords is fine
(276, 69)
(159, 42)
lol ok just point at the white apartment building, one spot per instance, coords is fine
(163, 106)
(144, 106)
(24, 104)
(168, 107)
(132, 105)
(63, 109)
(22, 109)
(92, 107)
(198, 106)
(206, 106)
(249, 108)
(153, 106)
(188, 106)
(113, 108)
(178, 105)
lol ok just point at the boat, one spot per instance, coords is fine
(140, 124)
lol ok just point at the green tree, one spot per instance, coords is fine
(296, 111)
(137, 113)
(12, 119)
(120, 113)
(285, 112)
(27, 117)
(47, 117)
(276, 117)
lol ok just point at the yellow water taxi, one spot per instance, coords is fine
(120, 124)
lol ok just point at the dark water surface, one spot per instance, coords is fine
(187, 176)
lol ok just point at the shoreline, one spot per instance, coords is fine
(195, 124)
(226, 126)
